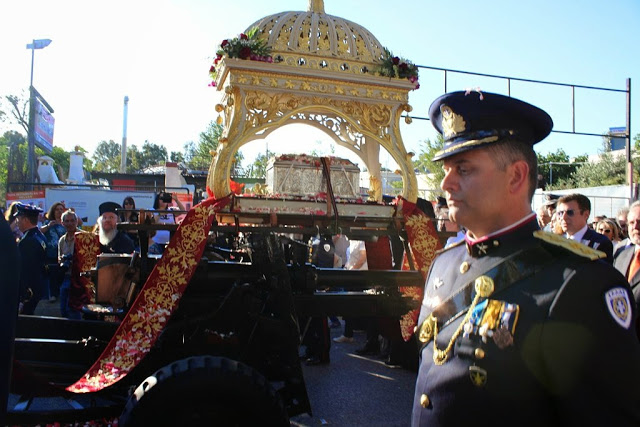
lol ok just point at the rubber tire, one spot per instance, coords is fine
(205, 390)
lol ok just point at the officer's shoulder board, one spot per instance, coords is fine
(569, 245)
(41, 239)
(451, 246)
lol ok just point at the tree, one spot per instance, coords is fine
(106, 157)
(258, 169)
(209, 140)
(608, 170)
(61, 162)
(152, 155)
(558, 167)
(18, 107)
(425, 163)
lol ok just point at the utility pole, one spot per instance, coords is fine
(123, 152)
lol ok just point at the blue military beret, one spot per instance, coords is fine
(28, 210)
(473, 119)
(109, 207)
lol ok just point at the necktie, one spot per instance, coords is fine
(635, 265)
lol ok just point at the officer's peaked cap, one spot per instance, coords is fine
(473, 119)
(27, 210)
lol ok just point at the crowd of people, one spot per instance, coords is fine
(539, 328)
(46, 245)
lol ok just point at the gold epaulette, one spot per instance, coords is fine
(571, 245)
(451, 246)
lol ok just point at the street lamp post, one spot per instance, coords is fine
(37, 44)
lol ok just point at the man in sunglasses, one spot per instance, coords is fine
(517, 326)
(573, 212)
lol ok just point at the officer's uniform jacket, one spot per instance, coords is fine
(622, 262)
(32, 249)
(555, 346)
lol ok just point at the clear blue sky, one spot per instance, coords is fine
(158, 53)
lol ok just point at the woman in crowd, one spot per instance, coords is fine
(609, 228)
(129, 215)
(53, 230)
(163, 203)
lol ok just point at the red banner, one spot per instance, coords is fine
(423, 244)
(156, 302)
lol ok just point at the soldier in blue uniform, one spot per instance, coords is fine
(32, 248)
(517, 326)
(112, 240)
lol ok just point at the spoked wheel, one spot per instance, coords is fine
(205, 391)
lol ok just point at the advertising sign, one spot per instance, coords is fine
(35, 198)
(43, 129)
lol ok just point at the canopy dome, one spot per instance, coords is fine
(316, 33)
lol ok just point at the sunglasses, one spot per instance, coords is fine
(604, 230)
(568, 212)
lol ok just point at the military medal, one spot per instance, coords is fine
(502, 337)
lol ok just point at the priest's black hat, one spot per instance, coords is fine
(109, 207)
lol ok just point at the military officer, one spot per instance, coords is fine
(32, 248)
(112, 240)
(518, 326)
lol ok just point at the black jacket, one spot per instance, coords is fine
(556, 346)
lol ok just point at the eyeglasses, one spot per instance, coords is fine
(568, 212)
(604, 230)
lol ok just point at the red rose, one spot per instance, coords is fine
(212, 69)
(224, 43)
(244, 53)
(403, 66)
(395, 60)
(243, 36)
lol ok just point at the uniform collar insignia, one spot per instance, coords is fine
(480, 249)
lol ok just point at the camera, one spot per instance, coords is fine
(65, 262)
(165, 197)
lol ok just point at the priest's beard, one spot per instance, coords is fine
(106, 237)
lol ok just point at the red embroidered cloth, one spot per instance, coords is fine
(85, 253)
(157, 300)
(423, 244)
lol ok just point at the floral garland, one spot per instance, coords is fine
(399, 68)
(246, 46)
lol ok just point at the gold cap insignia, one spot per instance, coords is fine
(452, 123)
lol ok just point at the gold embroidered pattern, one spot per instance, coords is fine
(571, 245)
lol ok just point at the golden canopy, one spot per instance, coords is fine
(322, 75)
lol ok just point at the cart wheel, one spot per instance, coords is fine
(205, 390)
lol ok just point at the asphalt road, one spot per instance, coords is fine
(356, 390)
